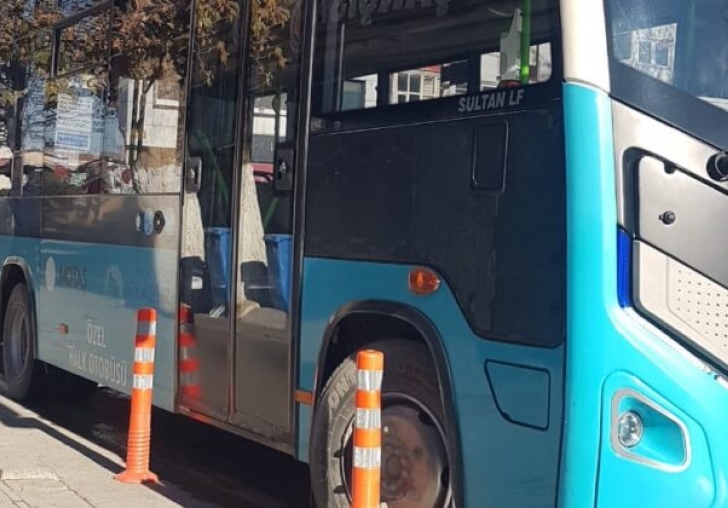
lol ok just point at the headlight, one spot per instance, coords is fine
(630, 429)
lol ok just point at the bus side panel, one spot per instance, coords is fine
(617, 361)
(90, 293)
(504, 463)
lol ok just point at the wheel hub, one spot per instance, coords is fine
(397, 465)
(415, 468)
(413, 457)
(19, 346)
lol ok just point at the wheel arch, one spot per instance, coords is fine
(390, 319)
(16, 270)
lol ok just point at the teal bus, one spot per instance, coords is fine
(518, 201)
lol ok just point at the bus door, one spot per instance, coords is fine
(262, 389)
(238, 282)
(206, 255)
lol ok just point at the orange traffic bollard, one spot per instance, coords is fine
(366, 475)
(187, 358)
(140, 422)
(188, 362)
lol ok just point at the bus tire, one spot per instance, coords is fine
(410, 401)
(19, 346)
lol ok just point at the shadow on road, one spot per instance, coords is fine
(211, 465)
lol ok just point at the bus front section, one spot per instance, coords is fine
(646, 129)
(436, 151)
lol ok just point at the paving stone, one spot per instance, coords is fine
(43, 465)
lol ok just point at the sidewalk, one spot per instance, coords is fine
(45, 466)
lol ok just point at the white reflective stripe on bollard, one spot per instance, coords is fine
(368, 419)
(367, 458)
(143, 381)
(144, 354)
(370, 380)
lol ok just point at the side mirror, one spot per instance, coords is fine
(284, 161)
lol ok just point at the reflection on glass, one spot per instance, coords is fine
(95, 124)
(123, 132)
(74, 134)
(402, 82)
(425, 51)
(416, 85)
(84, 44)
(25, 57)
(71, 7)
(143, 129)
(6, 164)
(360, 93)
(265, 242)
(681, 44)
(540, 64)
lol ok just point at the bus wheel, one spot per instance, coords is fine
(415, 464)
(18, 344)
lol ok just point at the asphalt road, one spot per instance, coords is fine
(212, 465)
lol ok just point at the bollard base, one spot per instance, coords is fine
(137, 477)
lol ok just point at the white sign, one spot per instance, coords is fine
(75, 114)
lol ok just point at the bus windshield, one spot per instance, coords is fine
(674, 51)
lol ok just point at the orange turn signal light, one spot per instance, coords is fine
(423, 281)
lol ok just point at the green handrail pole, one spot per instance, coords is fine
(269, 212)
(525, 41)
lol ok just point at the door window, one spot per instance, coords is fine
(211, 157)
(266, 243)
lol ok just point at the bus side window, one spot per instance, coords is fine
(74, 105)
(399, 57)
